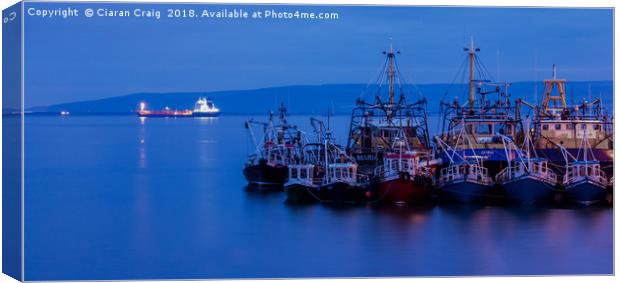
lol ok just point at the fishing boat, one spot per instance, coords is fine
(267, 165)
(166, 112)
(405, 176)
(342, 183)
(528, 178)
(303, 183)
(474, 132)
(465, 179)
(378, 125)
(584, 181)
(306, 174)
(205, 107)
(559, 125)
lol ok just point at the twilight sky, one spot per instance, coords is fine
(82, 58)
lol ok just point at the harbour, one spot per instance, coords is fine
(487, 151)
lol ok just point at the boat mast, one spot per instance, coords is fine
(549, 85)
(472, 57)
(391, 73)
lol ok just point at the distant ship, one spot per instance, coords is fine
(166, 112)
(205, 107)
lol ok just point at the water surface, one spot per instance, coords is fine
(117, 197)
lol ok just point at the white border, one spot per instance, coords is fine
(499, 3)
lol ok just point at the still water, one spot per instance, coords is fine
(116, 197)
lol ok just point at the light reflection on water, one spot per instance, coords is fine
(127, 198)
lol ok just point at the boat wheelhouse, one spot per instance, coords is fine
(205, 107)
(585, 182)
(342, 182)
(303, 183)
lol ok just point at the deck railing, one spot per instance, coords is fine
(465, 172)
(578, 172)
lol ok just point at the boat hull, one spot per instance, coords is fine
(527, 190)
(341, 192)
(464, 191)
(263, 174)
(401, 189)
(298, 193)
(205, 114)
(164, 115)
(586, 192)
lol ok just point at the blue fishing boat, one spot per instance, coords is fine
(528, 179)
(584, 181)
(471, 140)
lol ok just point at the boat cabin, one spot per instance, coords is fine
(535, 167)
(482, 133)
(569, 133)
(344, 172)
(581, 170)
(302, 173)
(465, 172)
(395, 163)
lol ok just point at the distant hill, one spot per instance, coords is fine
(316, 99)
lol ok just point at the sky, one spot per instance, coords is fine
(81, 58)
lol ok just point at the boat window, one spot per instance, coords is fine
(545, 127)
(304, 174)
(570, 126)
(483, 129)
(294, 173)
(596, 127)
(583, 126)
(503, 129)
(469, 129)
(558, 126)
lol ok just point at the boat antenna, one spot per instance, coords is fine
(391, 54)
(471, 51)
(328, 132)
(498, 55)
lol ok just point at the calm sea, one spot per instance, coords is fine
(116, 197)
